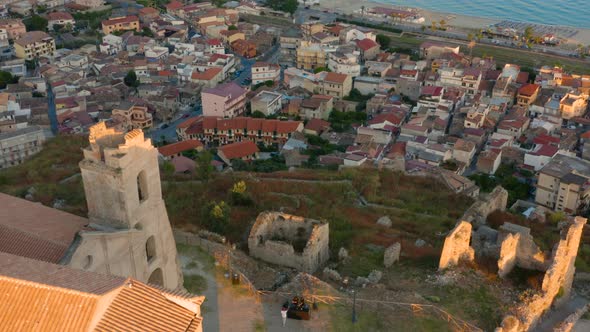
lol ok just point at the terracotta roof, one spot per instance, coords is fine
(366, 44)
(175, 148)
(32, 37)
(29, 306)
(317, 125)
(547, 151)
(464, 145)
(120, 20)
(239, 149)
(148, 11)
(59, 16)
(33, 230)
(528, 89)
(174, 5)
(214, 42)
(206, 75)
(335, 77)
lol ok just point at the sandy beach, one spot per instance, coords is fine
(453, 20)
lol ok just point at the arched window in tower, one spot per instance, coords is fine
(150, 248)
(142, 191)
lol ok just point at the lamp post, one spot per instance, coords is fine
(353, 306)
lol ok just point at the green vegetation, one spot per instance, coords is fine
(195, 284)
(288, 6)
(203, 166)
(161, 4)
(268, 83)
(383, 40)
(357, 96)
(7, 78)
(343, 121)
(131, 79)
(505, 176)
(35, 23)
(321, 69)
(91, 20)
(274, 164)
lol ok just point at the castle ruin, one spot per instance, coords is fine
(291, 241)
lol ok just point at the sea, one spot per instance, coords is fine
(572, 13)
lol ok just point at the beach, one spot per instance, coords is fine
(462, 22)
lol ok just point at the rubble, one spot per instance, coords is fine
(332, 274)
(391, 254)
(342, 254)
(384, 221)
(375, 276)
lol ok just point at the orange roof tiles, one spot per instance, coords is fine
(335, 77)
(528, 89)
(206, 75)
(239, 149)
(175, 148)
(121, 20)
(29, 306)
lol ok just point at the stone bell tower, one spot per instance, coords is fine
(130, 234)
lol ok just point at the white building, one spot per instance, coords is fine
(262, 72)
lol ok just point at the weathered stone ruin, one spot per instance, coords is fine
(457, 247)
(512, 245)
(557, 283)
(290, 241)
(486, 204)
(391, 254)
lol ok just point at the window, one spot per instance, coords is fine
(150, 248)
(142, 190)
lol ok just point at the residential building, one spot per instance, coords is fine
(310, 56)
(262, 72)
(540, 156)
(562, 185)
(63, 19)
(174, 150)
(316, 127)
(369, 49)
(245, 150)
(15, 28)
(316, 107)
(209, 78)
(289, 41)
(267, 102)
(217, 131)
(148, 14)
(527, 94)
(33, 45)
(124, 23)
(573, 105)
(463, 151)
(18, 145)
(344, 63)
(244, 48)
(225, 100)
(90, 3)
(334, 84)
(489, 161)
(215, 46)
(130, 116)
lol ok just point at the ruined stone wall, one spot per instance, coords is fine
(526, 254)
(456, 247)
(478, 212)
(557, 282)
(272, 236)
(508, 248)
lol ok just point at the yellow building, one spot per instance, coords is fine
(125, 23)
(310, 56)
(34, 44)
(334, 84)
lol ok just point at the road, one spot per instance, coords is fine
(168, 134)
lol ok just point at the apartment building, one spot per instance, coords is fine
(572, 105)
(267, 102)
(562, 184)
(17, 146)
(262, 72)
(129, 116)
(34, 44)
(225, 100)
(15, 28)
(124, 23)
(527, 94)
(310, 56)
(334, 84)
(62, 19)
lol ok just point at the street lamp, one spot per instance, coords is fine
(353, 306)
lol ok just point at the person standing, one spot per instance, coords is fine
(284, 315)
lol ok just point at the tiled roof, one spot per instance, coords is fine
(174, 5)
(317, 125)
(175, 148)
(231, 90)
(464, 145)
(32, 37)
(335, 77)
(59, 16)
(35, 230)
(366, 44)
(206, 75)
(239, 149)
(121, 20)
(528, 89)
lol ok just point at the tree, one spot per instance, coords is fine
(442, 24)
(383, 40)
(289, 6)
(321, 69)
(131, 79)
(529, 33)
(216, 216)
(232, 27)
(258, 115)
(204, 168)
(36, 23)
(168, 168)
(7, 78)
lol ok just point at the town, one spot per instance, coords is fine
(270, 151)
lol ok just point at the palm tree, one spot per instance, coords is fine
(442, 23)
(471, 45)
(433, 26)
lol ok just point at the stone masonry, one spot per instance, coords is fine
(289, 240)
(129, 232)
(478, 212)
(456, 247)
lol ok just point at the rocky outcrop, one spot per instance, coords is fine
(391, 254)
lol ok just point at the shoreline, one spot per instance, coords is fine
(454, 20)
